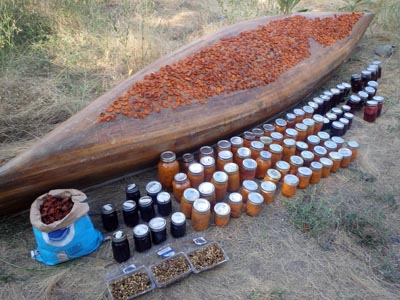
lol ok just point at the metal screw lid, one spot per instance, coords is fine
(378, 99)
(280, 122)
(290, 116)
(163, 198)
(201, 206)
(335, 156)
(118, 236)
(153, 187)
(337, 125)
(297, 160)
(328, 93)
(266, 140)
(107, 209)
(236, 141)
(331, 116)
(140, 230)
(257, 145)
(268, 186)
(250, 185)
(318, 100)
(370, 90)
(243, 152)
(365, 73)
(307, 155)
(321, 151)
(316, 166)
(348, 116)
(132, 187)
(325, 98)
(318, 118)
(248, 135)
(372, 103)
(301, 146)
(344, 121)
(356, 76)
(255, 198)
(313, 139)
(346, 85)
(338, 140)
(289, 143)
(291, 179)
(363, 95)
(145, 201)
(345, 152)
(274, 174)
(235, 197)
(326, 161)
(282, 165)
(308, 122)
(224, 145)
(225, 155)
(308, 109)
(301, 127)
(376, 62)
(207, 161)
(188, 157)
(276, 136)
(355, 98)
(168, 156)
(268, 127)
(180, 177)
(231, 168)
(290, 132)
(249, 164)
(206, 189)
(335, 91)
(265, 155)
(157, 224)
(220, 177)
(191, 194)
(207, 151)
(222, 209)
(330, 145)
(298, 112)
(323, 135)
(129, 205)
(275, 148)
(346, 108)
(304, 171)
(353, 145)
(337, 111)
(258, 132)
(196, 168)
(178, 218)
(313, 105)
(340, 87)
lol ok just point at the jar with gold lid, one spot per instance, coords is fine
(330, 146)
(258, 132)
(266, 140)
(263, 164)
(326, 166)
(201, 214)
(290, 133)
(208, 162)
(310, 125)
(254, 204)
(316, 168)
(187, 159)
(277, 138)
(301, 131)
(318, 123)
(220, 182)
(236, 143)
(267, 190)
(300, 114)
(255, 148)
(224, 157)
(235, 201)
(179, 185)
(307, 157)
(338, 140)
(188, 198)
(273, 175)
(196, 174)
(206, 151)
(222, 212)
(346, 153)
(280, 125)
(312, 141)
(232, 170)
(319, 152)
(308, 112)
(207, 191)
(248, 137)
(336, 158)
(300, 146)
(248, 169)
(291, 120)
(276, 153)
(289, 186)
(295, 162)
(167, 167)
(353, 146)
(323, 136)
(289, 149)
(304, 175)
(223, 145)
(248, 186)
(268, 128)
(283, 167)
(241, 154)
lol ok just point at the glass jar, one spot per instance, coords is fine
(326, 166)
(301, 131)
(248, 186)
(310, 125)
(349, 116)
(380, 101)
(167, 168)
(146, 208)
(201, 214)
(178, 225)
(152, 190)
(363, 96)
(295, 162)
(341, 89)
(208, 162)
(336, 158)
(164, 205)
(345, 123)
(248, 169)
(222, 212)
(232, 170)
(308, 112)
(330, 146)
(330, 95)
(374, 72)
(235, 201)
(304, 175)
(196, 174)
(300, 115)
(314, 106)
(242, 154)
(353, 146)
(254, 204)
(255, 148)
(331, 117)
(326, 106)
(337, 128)
(220, 182)
(130, 213)
(180, 183)
(346, 153)
(280, 125)
(109, 217)
(338, 140)
(189, 196)
(290, 133)
(268, 128)
(327, 124)
(370, 91)
(289, 149)
(248, 137)
(365, 77)
(316, 168)
(120, 246)
(224, 157)
(338, 112)
(320, 102)
(258, 132)
(312, 141)
(263, 164)
(206, 151)
(300, 147)
(335, 96)
(276, 153)
(347, 88)
(267, 190)
(132, 192)
(223, 145)
(291, 120)
(354, 102)
(273, 175)
(266, 140)
(236, 143)
(319, 152)
(370, 111)
(345, 108)
(289, 186)
(207, 191)
(283, 167)
(307, 157)
(158, 229)
(277, 138)
(141, 237)
(187, 159)
(379, 65)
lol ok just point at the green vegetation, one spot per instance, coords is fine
(286, 6)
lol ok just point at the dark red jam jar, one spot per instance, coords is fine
(356, 84)
(370, 111)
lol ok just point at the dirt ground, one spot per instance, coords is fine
(352, 251)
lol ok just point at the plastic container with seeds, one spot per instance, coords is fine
(320, 103)
(153, 188)
(280, 125)
(189, 196)
(224, 157)
(326, 166)
(330, 146)
(323, 136)
(267, 190)
(220, 182)
(316, 168)
(276, 153)
(232, 170)
(289, 149)
(277, 138)
(256, 147)
(222, 212)
(207, 191)
(167, 167)
(291, 120)
(248, 169)
(258, 132)
(141, 237)
(109, 217)
(370, 111)
(346, 123)
(208, 162)
(241, 154)
(349, 116)
(158, 229)
(289, 186)
(295, 162)
(263, 164)
(266, 140)
(196, 174)
(206, 151)
(187, 159)
(164, 205)
(301, 131)
(132, 192)
(353, 146)
(268, 128)
(346, 157)
(130, 213)
(338, 140)
(201, 214)
(236, 143)
(248, 186)
(300, 147)
(309, 111)
(223, 145)
(235, 201)
(312, 141)
(290, 133)
(283, 167)
(273, 175)
(248, 137)
(336, 158)
(304, 175)
(300, 114)
(146, 208)
(178, 224)
(380, 101)
(206, 257)
(307, 157)
(180, 183)
(310, 125)
(254, 204)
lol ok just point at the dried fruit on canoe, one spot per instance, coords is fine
(206, 257)
(131, 285)
(251, 59)
(170, 268)
(55, 208)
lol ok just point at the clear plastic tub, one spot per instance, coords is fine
(210, 250)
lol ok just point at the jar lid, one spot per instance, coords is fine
(250, 185)
(376, 62)
(201, 205)
(188, 157)
(220, 177)
(370, 90)
(346, 85)
(224, 144)
(276, 136)
(163, 198)
(308, 122)
(265, 155)
(255, 198)
(178, 218)
(371, 103)
(236, 141)
(328, 93)
(326, 121)
(308, 109)
(318, 118)
(298, 112)
(290, 116)
(180, 177)
(304, 171)
(132, 187)
(191, 194)
(345, 152)
(313, 139)
(365, 73)
(316, 166)
(291, 179)
(337, 111)
(268, 127)
(243, 152)
(330, 145)
(282, 165)
(258, 132)
(275, 148)
(196, 168)
(321, 151)
(248, 135)
(335, 91)
(118, 236)
(378, 99)
(257, 145)
(326, 161)
(206, 189)
(266, 140)
(307, 155)
(107, 209)
(157, 224)
(338, 140)
(235, 197)
(335, 156)
(290, 132)
(337, 125)
(297, 160)
(372, 68)
(231, 168)
(362, 95)
(313, 105)
(140, 230)
(331, 116)
(348, 116)
(340, 87)
(318, 100)
(344, 121)
(207, 150)
(129, 205)
(168, 156)
(323, 135)
(268, 186)
(301, 145)
(325, 98)
(353, 145)
(222, 209)
(355, 98)
(356, 76)
(145, 201)
(346, 108)
(289, 142)
(225, 155)
(249, 164)
(280, 122)
(274, 174)
(207, 161)
(300, 127)
(153, 187)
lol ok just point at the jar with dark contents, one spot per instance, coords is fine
(130, 213)
(289, 149)
(345, 108)
(335, 96)
(373, 84)
(331, 117)
(206, 151)
(268, 128)
(320, 103)
(158, 229)
(318, 123)
(208, 163)
(337, 128)
(164, 205)
(132, 192)
(146, 208)
(248, 137)
(280, 125)
(187, 159)
(222, 213)
(365, 77)
(307, 157)
(236, 143)
(263, 164)
(346, 123)
(290, 133)
(277, 138)
(235, 201)
(196, 174)
(248, 169)
(167, 168)
(232, 170)
(314, 107)
(180, 183)
(290, 120)
(347, 89)
(295, 163)
(300, 147)
(207, 191)
(223, 145)
(354, 102)
(266, 140)
(326, 105)
(178, 225)
(370, 111)
(327, 124)
(312, 141)
(349, 116)
(363, 96)
(242, 154)
(338, 112)
(153, 188)
(109, 217)
(356, 83)
(141, 237)
(374, 72)
(120, 246)
(327, 95)
(379, 64)
(370, 91)
(379, 100)
(341, 89)
(309, 111)
(224, 157)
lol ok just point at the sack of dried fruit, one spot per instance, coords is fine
(63, 230)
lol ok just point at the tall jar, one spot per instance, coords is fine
(236, 143)
(196, 174)
(346, 153)
(167, 168)
(220, 182)
(223, 145)
(189, 196)
(323, 136)
(256, 147)
(353, 146)
(248, 137)
(187, 159)
(232, 170)
(349, 116)
(290, 133)
(141, 237)
(277, 138)
(314, 107)
(319, 152)
(283, 167)
(345, 123)
(132, 192)
(267, 190)
(258, 132)
(326, 166)
(276, 153)
(336, 158)
(263, 164)
(222, 212)
(242, 154)
(338, 140)
(300, 147)
(254, 204)
(291, 120)
(248, 169)
(120, 246)
(330, 146)
(301, 131)
(268, 128)
(153, 188)
(146, 208)
(207, 191)
(312, 141)
(354, 102)
(370, 111)
(309, 111)
(379, 65)
(248, 186)
(310, 125)
(380, 101)
(208, 162)
(300, 114)
(280, 125)
(295, 163)
(304, 175)
(201, 214)
(320, 103)
(289, 149)
(158, 229)
(356, 83)
(307, 157)
(289, 186)
(164, 205)
(337, 128)
(235, 201)
(266, 140)
(316, 168)
(224, 157)
(130, 213)
(178, 225)
(109, 217)
(180, 183)
(206, 151)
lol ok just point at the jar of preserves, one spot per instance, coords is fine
(267, 190)
(141, 237)
(373, 84)
(380, 101)
(283, 167)
(300, 114)
(146, 208)
(338, 112)
(187, 159)
(308, 112)
(295, 163)
(310, 125)
(356, 83)
(164, 205)
(338, 140)
(207, 191)
(353, 146)
(167, 168)
(130, 213)
(109, 217)
(354, 103)
(331, 117)
(370, 91)
(365, 77)
(255, 148)
(235, 201)
(336, 158)
(326, 106)
(276, 153)
(158, 229)
(307, 157)
(289, 186)
(196, 174)
(290, 133)
(345, 108)
(304, 175)
(224, 157)
(180, 183)
(236, 143)
(327, 124)
(335, 96)
(289, 149)
(277, 138)
(120, 246)
(280, 125)
(132, 192)
(220, 182)
(323, 137)
(326, 166)
(223, 145)
(266, 140)
(314, 106)
(316, 168)
(301, 131)
(374, 72)
(378, 64)
(248, 169)
(273, 175)
(232, 170)
(330, 146)
(268, 128)
(320, 102)
(346, 153)
(345, 123)
(300, 147)
(248, 137)
(349, 116)
(341, 89)
(347, 88)
(208, 162)
(312, 141)
(370, 111)
(291, 120)
(242, 154)
(254, 204)
(206, 151)
(363, 96)
(189, 196)
(330, 101)
(258, 132)
(263, 164)
(319, 152)
(152, 190)
(178, 225)
(222, 212)
(201, 214)
(248, 186)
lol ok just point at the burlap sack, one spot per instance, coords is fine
(78, 210)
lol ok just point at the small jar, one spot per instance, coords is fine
(187, 159)
(363, 96)
(255, 148)
(326, 166)
(379, 65)
(109, 217)
(248, 137)
(354, 102)
(319, 152)
(349, 116)
(189, 196)
(180, 183)
(370, 111)
(312, 141)
(310, 125)
(158, 229)
(235, 201)
(232, 170)
(289, 149)
(341, 89)
(258, 132)
(308, 112)
(223, 145)
(320, 102)
(347, 88)
(331, 117)
(346, 123)
(330, 146)
(167, 168)
(273, 175)
(323, 137)
(300, 114)
(291, 120)
(222, 212)
(374, 72)
(207, 191)
(337, 128)
(248, 186)
(301, 131)
(327, 124)
(338, 112)
(345, 108)
(380, 101)
(276, 153)
(132, 192)
(304, 175)
(268, 128)
(263, 164)
(335, 96)
(365, 77)
(370, 91)
(326, 106)
(336, 158)
(290, 133)
(146, 208)
(130, 213)
(206, 151)
(330, 101)
(201, 214)
(307, 157)
(220, 182)
(208, 162)
(242, 154)
(141, 237)
(277, 138)
(153, 188)
(295, 162)
(338, 140)
(224, 157)
(280, 125)
(353, 146)
(120, 246)
(178, 225)
(346, 153)
(267, 190)
(248, 169)
(289, 186)
(283, 167)
(196, 174)
(316, 168)
(236, 143)
(314, 106)
(300, 147)
(254, 204)
(266, 140)
(164, 205)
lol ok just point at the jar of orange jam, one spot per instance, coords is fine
(326, 166)
(208, 162)
(353, 146)
(280, 125)
(248, 186)
(276, 153)
(309, 111)
(187, 159)
(207, 191)
(283, 167)
(290, 133)
(291, 120)
(222, 213)
(248, 137)
(241, 154)
(224, 157)
(235, 201)
(223, 145)
(346, 153)
(206, 151)
(312, 141)
(338, 140)
(248, 169)
(304, 175)
(196, 174)
(258, 132)
(289, 149)
(323, 137)
(236, 143)
(179, 185)
(255, 148)
(300, 114)
(289, 186)
(307, 157)
(295, 162)
(220, 181)
(201, 214)
(263, 164)
(318, 123)
(167, 167)
(300, 147)
(277, 138)
(301, 131)
(330, 146)
(254, 204)
(232, 170)
(316, 168)
(266, 140)
(319, 152)
(188, 198)
(336, 158)
(267, 190)
(310, 125)
(268, 128)
(273, 175)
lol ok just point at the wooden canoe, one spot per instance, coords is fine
(82, 151)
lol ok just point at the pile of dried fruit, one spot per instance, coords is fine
(55, 208)
(131, 285)
(251, 59)
(207, 256)
(170, 268)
